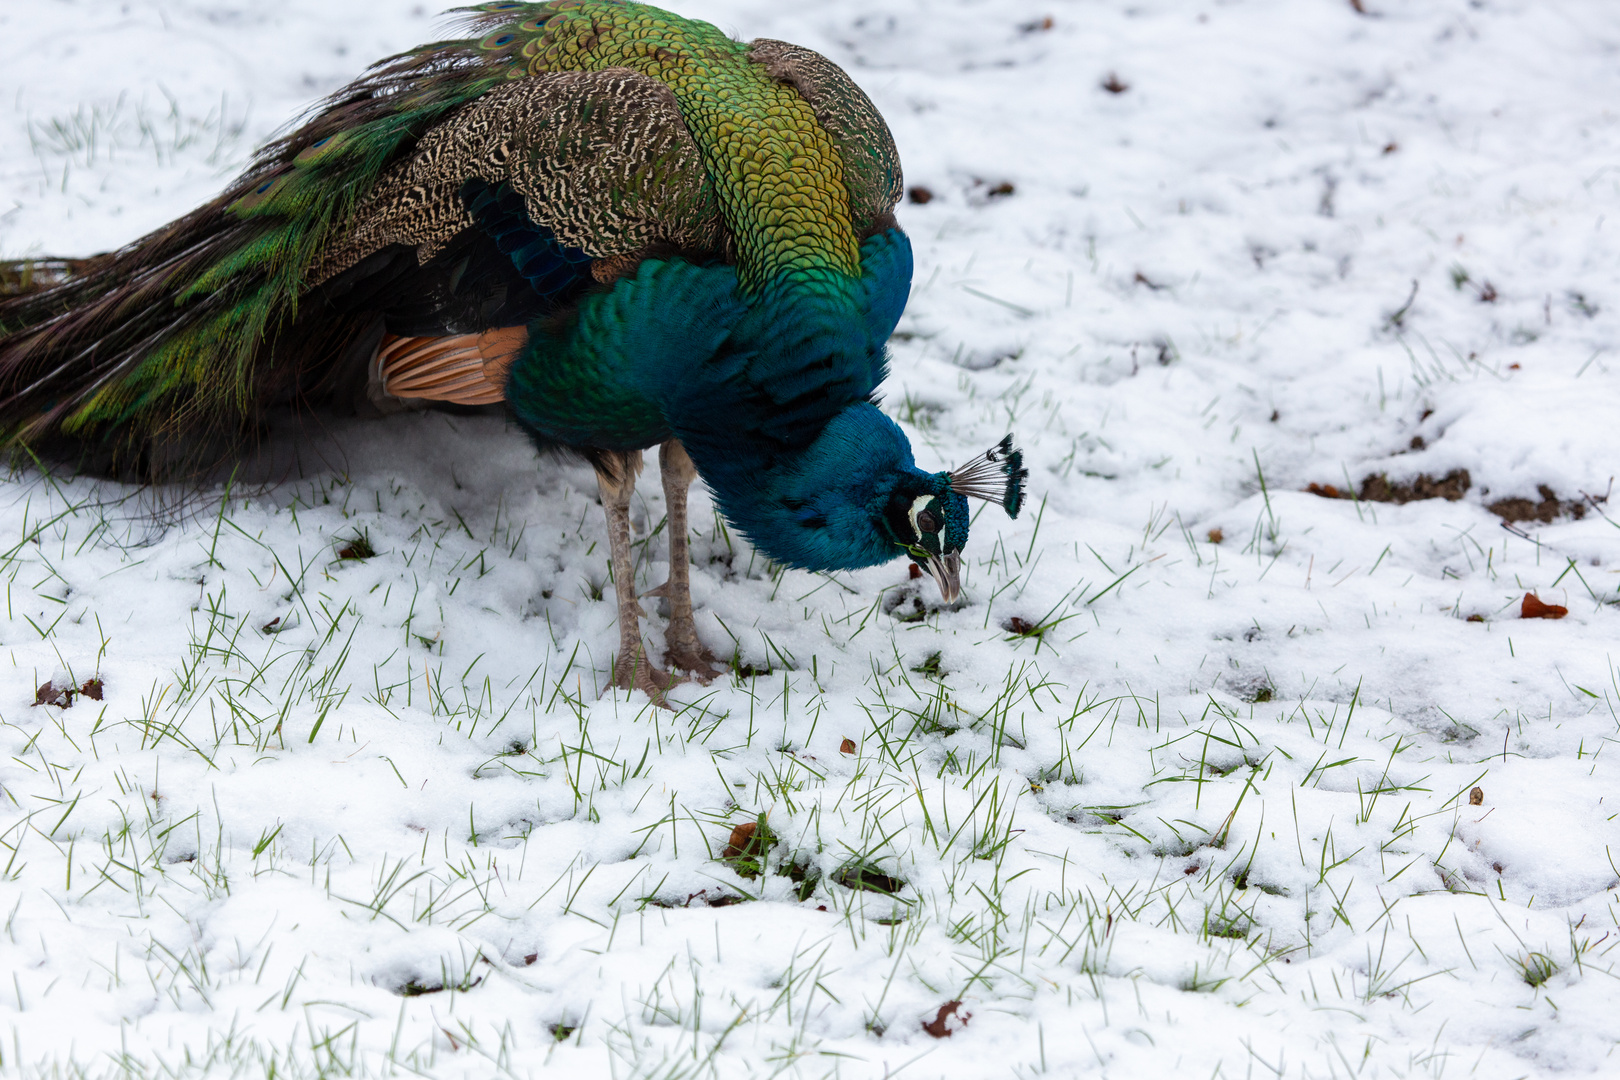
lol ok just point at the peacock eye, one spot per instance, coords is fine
(927, 522)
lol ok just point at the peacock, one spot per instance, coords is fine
(629, 228)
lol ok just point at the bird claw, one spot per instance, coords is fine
(682, 649)
(636, 673)
(699, 665)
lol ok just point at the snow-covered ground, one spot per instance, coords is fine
(1180, 788)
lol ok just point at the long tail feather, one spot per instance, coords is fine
(190, 327)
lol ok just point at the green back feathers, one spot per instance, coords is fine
(780, 178)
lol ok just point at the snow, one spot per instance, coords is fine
(1214, 820)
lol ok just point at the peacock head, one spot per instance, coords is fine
(926, 514)
(855, 497)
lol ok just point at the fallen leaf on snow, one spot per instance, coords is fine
(1533, 607)
(950, 1019)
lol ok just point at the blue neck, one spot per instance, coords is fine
(820, 508)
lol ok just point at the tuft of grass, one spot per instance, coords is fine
(359, 547)
(1535, 968)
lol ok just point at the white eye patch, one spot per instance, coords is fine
(917, 506)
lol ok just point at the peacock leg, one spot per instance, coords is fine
(631, 670)
(681, 644)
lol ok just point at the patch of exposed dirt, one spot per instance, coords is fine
(1378, 488)
(1550, 507)
(1451, 487)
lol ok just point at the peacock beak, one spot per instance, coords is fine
(947, 572)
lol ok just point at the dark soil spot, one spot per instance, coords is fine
(1550, 507)
(1112, 83)
(864, 877)
(906, 609)
(1378, 488)
(1227, 928)
(1450, 487)
(1242, 880)
(416, 989)
(920, 195)
(1022, 627)
(701, 899)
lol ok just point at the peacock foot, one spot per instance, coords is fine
(636, 672)
(683, 650)
(682, 647)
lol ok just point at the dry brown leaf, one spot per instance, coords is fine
(950, 1019)
(1532, 607)
(741, 837)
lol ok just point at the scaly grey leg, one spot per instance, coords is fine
(682, 647)
(631, 670)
